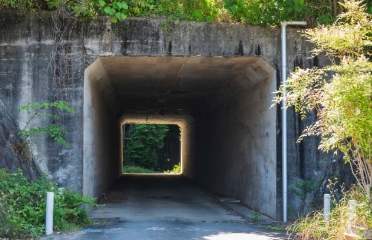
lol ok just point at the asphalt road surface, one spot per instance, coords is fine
(166, 207)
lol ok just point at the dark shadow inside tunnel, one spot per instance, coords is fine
(221, 105)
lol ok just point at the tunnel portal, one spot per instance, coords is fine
(222, 105)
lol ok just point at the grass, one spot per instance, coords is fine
(137, 169)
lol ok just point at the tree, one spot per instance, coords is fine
(341, 93)
(142, 144)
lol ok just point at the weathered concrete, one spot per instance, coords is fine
(101, 136)
(236, 145)
(242, 84)
(43, 57)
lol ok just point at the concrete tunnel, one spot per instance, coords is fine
(222, 105)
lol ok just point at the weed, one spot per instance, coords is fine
(22, 206)
(303, 188)
(256, 216)
(275, 228)
(313, 226)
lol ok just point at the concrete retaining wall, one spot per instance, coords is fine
(43, 57)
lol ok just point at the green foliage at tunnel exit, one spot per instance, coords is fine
(22, 206)
(142, 142)
(151, 148)
(257, 12)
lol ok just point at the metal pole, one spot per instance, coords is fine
(284, 112)
(284, 121)
(49, 213)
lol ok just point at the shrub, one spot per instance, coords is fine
(176, 169)
(22, 206)
(313, 226)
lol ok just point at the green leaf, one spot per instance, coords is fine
(102, 3)
(234, 8)
(107, 10)
(113, 20)
(124, 5)
(123, 16)
(209, 19)
(115, 4)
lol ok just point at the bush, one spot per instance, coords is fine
(176, 169)
(313, 226)
(22, 206)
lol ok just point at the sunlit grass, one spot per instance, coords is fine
(137, 169)
(176, 169)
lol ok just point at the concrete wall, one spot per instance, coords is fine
(236, 147)
(38, 63)
(184, 121)
(27, 73)
(101, 161)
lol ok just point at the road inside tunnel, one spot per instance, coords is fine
(221, 104)
(160, 197)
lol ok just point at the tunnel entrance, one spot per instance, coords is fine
(221, 104)
(151, 148)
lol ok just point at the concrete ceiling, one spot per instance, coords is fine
(172, 85)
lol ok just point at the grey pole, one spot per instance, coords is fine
(284, 112)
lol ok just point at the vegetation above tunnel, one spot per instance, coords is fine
(256, 12)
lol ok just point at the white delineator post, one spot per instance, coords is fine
(284, 112)
(49, 213)
(327, 206)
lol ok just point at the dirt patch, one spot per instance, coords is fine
(112, 197)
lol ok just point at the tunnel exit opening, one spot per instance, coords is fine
(151, 148)
(221, 105)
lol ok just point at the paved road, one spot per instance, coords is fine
(166, 207)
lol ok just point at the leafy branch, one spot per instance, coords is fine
(37, 110)
(340, 93)
(115, 9)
